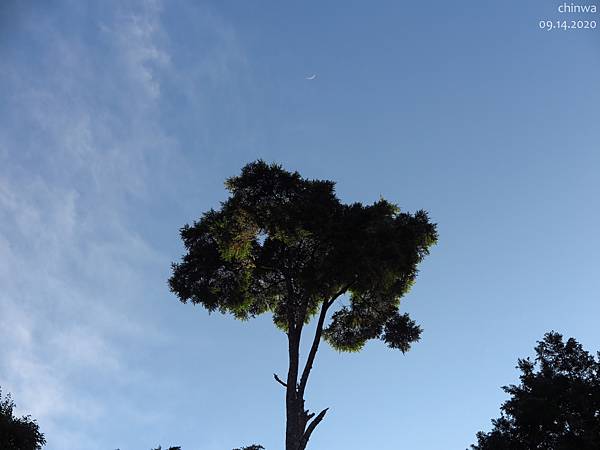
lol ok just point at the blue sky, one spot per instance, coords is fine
(119, 122)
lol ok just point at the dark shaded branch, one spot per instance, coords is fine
(313, 349)
(311, 428)
(279, 380)
(317, 339)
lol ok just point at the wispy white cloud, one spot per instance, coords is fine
(82, 143)
(70, 262)
(137, 35)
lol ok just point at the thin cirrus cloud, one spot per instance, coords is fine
(80, 143)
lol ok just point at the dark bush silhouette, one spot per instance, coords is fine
(287, 245)
(555, 407)
(18, 433)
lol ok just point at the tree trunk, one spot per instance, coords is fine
(298, 429)
(300, 423)
(293, 433)
(299, 426)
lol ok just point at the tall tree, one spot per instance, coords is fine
(556, 406)
(18, 433)
(286, 245)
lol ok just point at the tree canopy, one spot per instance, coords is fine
(556, 405)
(284, 244)
(287, 245)
(18, 433)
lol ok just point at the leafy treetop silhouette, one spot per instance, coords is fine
(556, 406)
(286, 245)
(18, 433)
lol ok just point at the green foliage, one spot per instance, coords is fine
(284, 244)
(18, 433)
(557, 404)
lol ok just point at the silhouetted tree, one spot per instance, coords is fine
(18, 433)
(170, 448)
(287, 245)
(555, 407)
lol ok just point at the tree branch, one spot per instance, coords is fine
(313, 349)
(279, 380)
(311, 428)
(317, 339)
